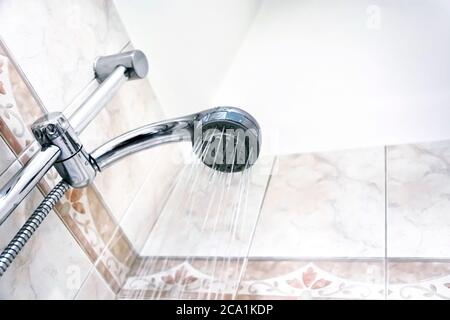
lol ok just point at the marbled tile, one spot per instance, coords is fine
(95, 288)
(309, 279)
(6, 156)
(133, 106)
(210, 213)
(98, 234)
(56, 41)
(149, 201)
(328, 204)
(418, 195)
(51, 266)
(418, 280)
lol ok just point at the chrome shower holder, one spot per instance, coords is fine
(58, 135)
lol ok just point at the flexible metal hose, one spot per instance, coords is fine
(31, 225)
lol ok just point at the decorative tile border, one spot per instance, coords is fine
(189, 278)
(263, 279)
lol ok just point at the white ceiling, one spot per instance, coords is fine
(317, 74)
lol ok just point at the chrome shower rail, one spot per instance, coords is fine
(111, 71)
(61, 147)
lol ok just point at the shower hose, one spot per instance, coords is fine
(31, 225)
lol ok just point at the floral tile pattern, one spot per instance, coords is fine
(418, 200)
(18, 109)
(7, 156)
(96, 230)
(313, 280)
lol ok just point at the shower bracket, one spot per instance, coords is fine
(57, 132)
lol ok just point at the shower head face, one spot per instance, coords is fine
(227, 139)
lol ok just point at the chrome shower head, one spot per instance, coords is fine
(227, 139)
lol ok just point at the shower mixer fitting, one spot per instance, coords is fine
(57, 135)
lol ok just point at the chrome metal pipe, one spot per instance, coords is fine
(17, 188)
(148, 136)
(93, 104)
(21, 238)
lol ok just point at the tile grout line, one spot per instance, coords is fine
(386, 268)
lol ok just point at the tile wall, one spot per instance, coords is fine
(370, 223)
